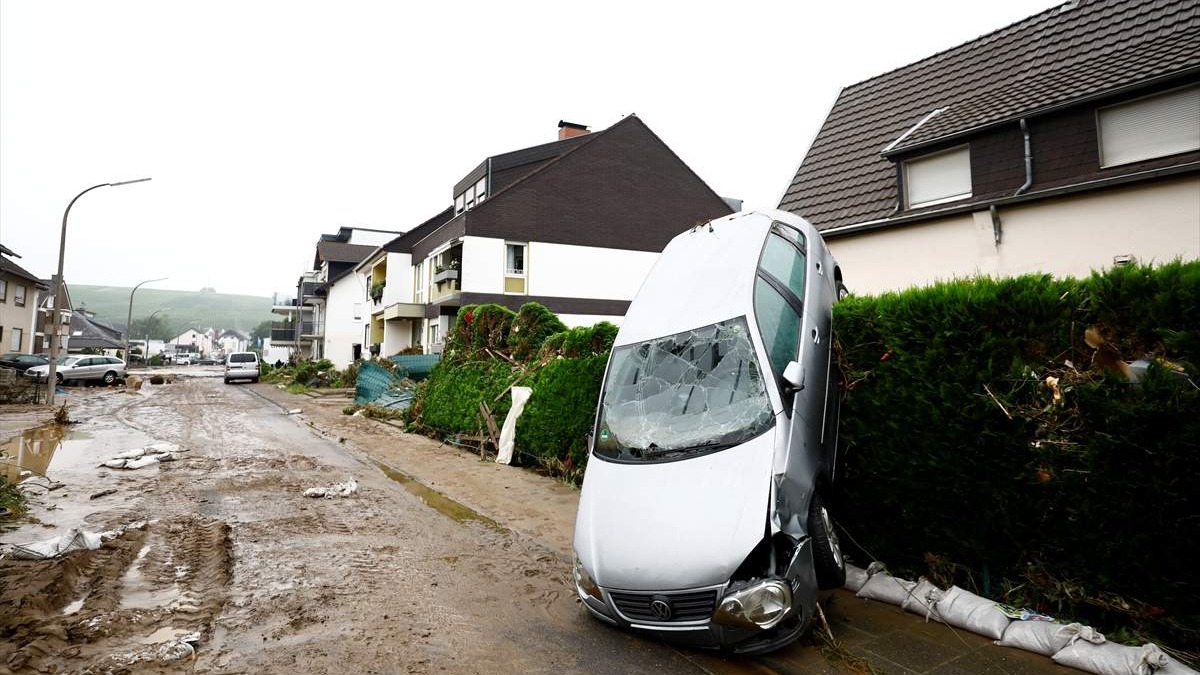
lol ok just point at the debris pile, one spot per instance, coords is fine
(347, 489)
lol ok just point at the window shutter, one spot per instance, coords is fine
(1151, 127)
(942, 177)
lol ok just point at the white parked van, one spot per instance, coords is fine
(241, 366)
(701, 518)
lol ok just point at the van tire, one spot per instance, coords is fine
(827, 553)
(110, 378)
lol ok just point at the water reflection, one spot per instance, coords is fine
(32, 451)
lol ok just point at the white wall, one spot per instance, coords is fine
(1067, 236)
(342, 330)
(399, 279)
(482, 265)
(558, 270)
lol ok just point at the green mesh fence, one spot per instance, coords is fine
(414, 366)
(373, 381)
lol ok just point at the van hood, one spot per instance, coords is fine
(674, 525)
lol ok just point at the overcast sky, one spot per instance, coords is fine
(264, 124)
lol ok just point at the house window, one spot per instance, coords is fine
(1155, 126)
(515, 274)
(3, 290)
(419, 283)
(433, 334)
(19, 295)
(938, 178)
(458, 204)
(480, 190)
(14, 343)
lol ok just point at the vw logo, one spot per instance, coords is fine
(660, 607)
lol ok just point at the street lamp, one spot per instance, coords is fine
(58, 279)
(129, 316)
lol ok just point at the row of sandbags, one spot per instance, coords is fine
(1071, 644)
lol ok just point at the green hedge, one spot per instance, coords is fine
(449, 402)
(957, 461)
(532, 325)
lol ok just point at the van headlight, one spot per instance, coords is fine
(584, 583)
(762, 605)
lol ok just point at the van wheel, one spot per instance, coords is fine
(827, 553)
(842, 291)
(254, 380)
(109, 378)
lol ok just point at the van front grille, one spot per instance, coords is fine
(687, 606)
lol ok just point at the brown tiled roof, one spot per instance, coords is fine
(336, 251)
(1069, 53)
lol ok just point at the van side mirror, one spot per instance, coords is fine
(793, 377)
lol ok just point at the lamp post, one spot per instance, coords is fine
(51, 383)
(129, 316)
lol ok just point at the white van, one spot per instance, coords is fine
(702, 518)
(241, 366)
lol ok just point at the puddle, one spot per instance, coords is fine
(41, 449)
(138, 593)
(73, 607)
(438, 501)
(165, 634)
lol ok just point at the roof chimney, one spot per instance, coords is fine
(570, 130)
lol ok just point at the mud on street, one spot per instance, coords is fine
(273, 581)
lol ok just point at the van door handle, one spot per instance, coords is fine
(816, 337)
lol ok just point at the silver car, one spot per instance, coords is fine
(82, 368)
(703, 514)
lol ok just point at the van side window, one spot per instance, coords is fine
(779, 323)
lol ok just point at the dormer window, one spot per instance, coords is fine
(1150, 127)
(938, 178)
(470, 197)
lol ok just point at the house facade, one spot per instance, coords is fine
(575, 224)
(325, 319)
(1064, 143)
(19, 290)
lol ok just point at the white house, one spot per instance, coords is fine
(574, 224)
(1064, 143)
(193, 341)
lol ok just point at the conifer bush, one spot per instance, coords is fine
(981, 432)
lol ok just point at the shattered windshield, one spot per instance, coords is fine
(686, 394)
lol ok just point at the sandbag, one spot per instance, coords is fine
(856, 577)
(1045, 637)
(887, 588)
(1113, 659)
(963, 609)
(923, 600)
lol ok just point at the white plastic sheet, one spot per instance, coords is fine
(508, 432)
(75, 539)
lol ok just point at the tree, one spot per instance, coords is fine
(157, 326)
(262, 331)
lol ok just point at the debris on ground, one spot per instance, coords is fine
(347, 489)
(139, 458)
(75, 539)
(103, 493)
(293, 411)
(175, 650)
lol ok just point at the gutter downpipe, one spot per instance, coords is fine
(997, 227)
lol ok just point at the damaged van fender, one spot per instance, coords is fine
(702, 518)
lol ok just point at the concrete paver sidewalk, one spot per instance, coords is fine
(886, 637)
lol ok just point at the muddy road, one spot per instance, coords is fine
(383, 581)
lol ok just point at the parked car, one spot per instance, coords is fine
(703, 519)
(183, 359)
(241, 366)
(207, 361)
(22, 362)
(82, 368)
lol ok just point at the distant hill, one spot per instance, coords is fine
(183, 308)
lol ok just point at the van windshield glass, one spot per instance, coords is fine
(683, 395)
